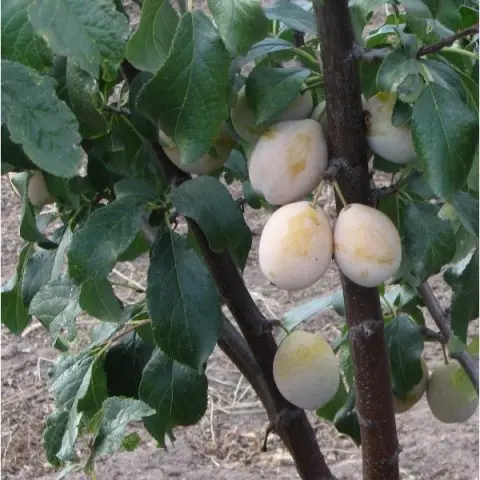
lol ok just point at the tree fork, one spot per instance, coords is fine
(348, 148)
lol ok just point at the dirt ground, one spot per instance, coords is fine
(226, 444)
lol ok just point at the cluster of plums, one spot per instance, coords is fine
(286, 163)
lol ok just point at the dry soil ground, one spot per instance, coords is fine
(226, 444)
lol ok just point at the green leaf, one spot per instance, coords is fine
(20, 43)
(473, 346)
(188, 95)
(394, 68)
(346, 364)
(240, 23)
(329, 411)
(56, 306)
(405, 344)
(135, 189)
(55, 427)
(38, 271)
(463, 279)
(108, 232)
(445, 135)
(206, 201)
(39, 121)
(148, 47)
(444, 75)
(429, 241)
(300, 313)
(270, 90)
(461, 381)
(182, 301)
(292, 16)
(466, 207)
(124, 365)
(14, 312)
(126, 153)
(268, 46)
(85, 101)
(96, 33)
(117, 414)
(177, 393)
(138, 247)
(77, 381)
(346, 420)
(13, 157)
(98, 299)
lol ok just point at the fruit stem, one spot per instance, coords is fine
(445, 356)
(338, 191)
(317, 193)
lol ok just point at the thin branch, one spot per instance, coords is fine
(445, 42)
(464, 358)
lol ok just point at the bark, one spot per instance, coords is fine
(348, 151)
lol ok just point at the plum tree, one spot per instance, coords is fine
(84, 111)
(306, 370)
(295, 247)
(367, 245)
(288, 160)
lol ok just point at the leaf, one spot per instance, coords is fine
(405, 344)
(346, 420)
(117, 414)
(135, 189)
(78, 382)
(108, 232)
(429, 241)
(292, 16)
(240, 23)
(463, 279)
(14, 312)
(270, 90)
(466, 207)
(39, 121)
(445, 135)
(85, 101)
(182, 301)
(206, 201)
(56, 307)
(38, 271)
(98, 299)
(268, 46)
(177, 393)
(329, 411)
(188, 95)
(96, 33)
(300, 313)
(394, 68)
(148, 47)
(20, 43)
(55, 427)
(126, 153)
(124, 364)
(13, 157)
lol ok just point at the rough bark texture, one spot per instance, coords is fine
(348, 150)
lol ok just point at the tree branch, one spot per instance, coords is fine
(346, 139)
(289, 422)
(464, 358)
(445, 42)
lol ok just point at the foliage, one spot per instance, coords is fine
(71, 109)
